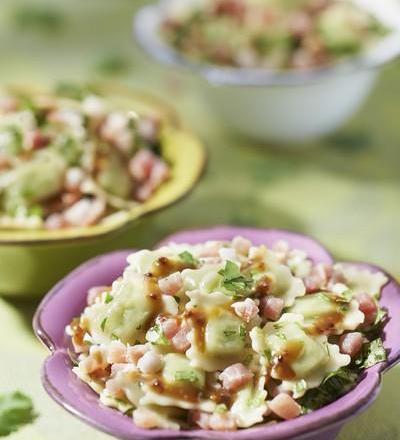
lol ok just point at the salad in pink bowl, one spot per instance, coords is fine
(220, 333)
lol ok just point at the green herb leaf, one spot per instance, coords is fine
(333, 386)
(267, 353)
(108, 298)
(345, 296)
(375, 353)
(188, 258)
(16, 410)
(242, 332)
(221, 408)
(230, 334)
(103, 324)
(157, 336)
(233, 280)
(186, 376)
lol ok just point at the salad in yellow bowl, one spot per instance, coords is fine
(78, 168)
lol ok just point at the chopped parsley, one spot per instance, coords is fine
(156, 336)
(345, 296)
(242, 331)
(186, 376)
(16, 410)
(373, 353)
(108, 298)
(268, 354)
(188, 258)
(233, 280)
(221, 408)
(230, 334)
(103, 324)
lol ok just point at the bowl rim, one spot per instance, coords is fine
(328, 417)
(174, 126)
(146, 24)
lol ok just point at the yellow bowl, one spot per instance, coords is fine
(33, 260)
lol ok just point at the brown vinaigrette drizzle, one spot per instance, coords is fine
(184, 391)
(78, 332)
(292, 351)
(161, 268)
(325, 323)
(197, 321)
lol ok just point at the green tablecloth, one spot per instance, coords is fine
(344, 190)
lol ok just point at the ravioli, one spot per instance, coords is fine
(209, 335)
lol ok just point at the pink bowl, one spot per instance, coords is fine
(67, 299)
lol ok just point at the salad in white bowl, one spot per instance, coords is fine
(278, 71)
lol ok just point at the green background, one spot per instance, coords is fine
(344, 190)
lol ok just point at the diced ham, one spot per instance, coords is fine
(176, 333)
(94, 293)
(247, 309)
(216, 421)
(235, 376)
(368, 307)
(318, 277)
(116, 353)
(159, 174)
(170, 327)
(271, 307)
(54, 222)
(241, 245)
(86, 212)
(351, 343)
(35, 140)
(285, 407)
(134, 353)
(171, 284)
(96, 360)
(144, 418)
(150, 363)
(180, 341)
(141, 164)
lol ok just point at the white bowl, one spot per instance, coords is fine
(281, 107)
